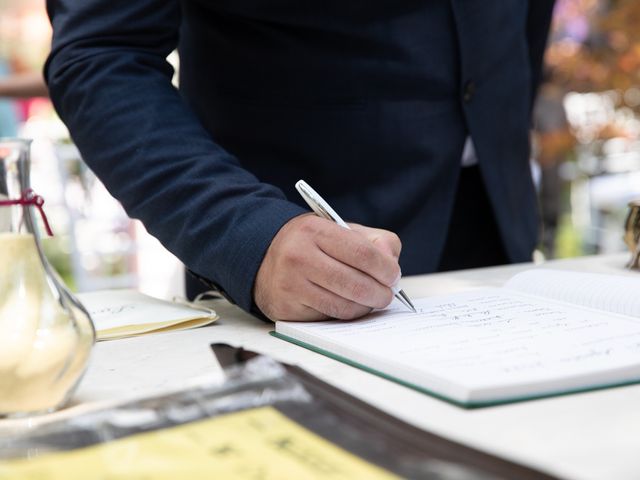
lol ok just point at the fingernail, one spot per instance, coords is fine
(397, 281)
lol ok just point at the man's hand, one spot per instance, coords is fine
(315, 269)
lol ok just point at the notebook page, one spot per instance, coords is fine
(485, 345)
(612, 293)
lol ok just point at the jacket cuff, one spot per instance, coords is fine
(234, 270)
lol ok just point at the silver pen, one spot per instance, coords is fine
(324, 210)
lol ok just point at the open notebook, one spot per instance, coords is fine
(125, 313)
(544, 333)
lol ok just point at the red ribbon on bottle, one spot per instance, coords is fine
(30, 199)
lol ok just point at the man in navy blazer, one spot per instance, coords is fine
(409, 116)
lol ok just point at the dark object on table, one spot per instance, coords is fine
(380, 438)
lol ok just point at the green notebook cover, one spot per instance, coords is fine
(453, 401)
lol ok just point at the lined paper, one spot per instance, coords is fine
(498, 341)
(612, 293)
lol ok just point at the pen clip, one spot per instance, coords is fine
(318, 204)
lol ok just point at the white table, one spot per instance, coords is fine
(593, 435)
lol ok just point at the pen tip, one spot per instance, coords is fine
(405, 300)
(410, 305)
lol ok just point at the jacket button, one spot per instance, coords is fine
(469, 91)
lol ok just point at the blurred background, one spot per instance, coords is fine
(585, 156)
(95, 244)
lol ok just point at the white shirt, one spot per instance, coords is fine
(468, 154)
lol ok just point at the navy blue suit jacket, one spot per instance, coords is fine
(370, 101)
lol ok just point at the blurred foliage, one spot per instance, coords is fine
(595, 46)
(568, 239)
(594, 49)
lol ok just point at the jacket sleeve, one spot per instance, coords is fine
(538, 24)
(111, 85)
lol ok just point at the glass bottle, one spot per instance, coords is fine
(46, 335)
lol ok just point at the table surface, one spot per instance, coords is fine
(594, 435)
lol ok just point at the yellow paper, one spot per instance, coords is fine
(126, 313)
(258, 444)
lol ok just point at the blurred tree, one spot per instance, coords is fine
(595, 46)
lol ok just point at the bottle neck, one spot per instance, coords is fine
(15, 219)
(14, 182)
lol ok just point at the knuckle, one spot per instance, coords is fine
(293, 258)
(360, 292)
(337, 279)
(395, 242)
(309, 225)
(389, 242)
(363, 254)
